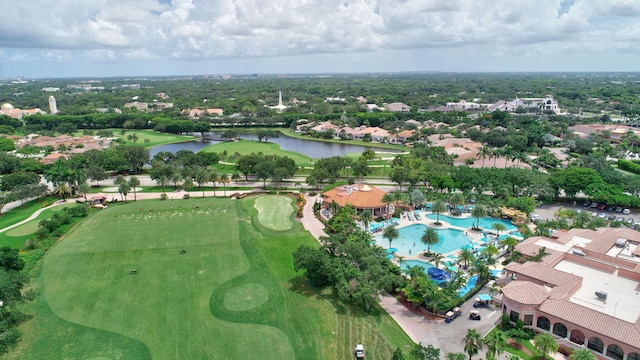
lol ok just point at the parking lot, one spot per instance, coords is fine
(546, 212)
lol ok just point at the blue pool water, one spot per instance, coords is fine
(410, 263)
(471, 283)
(485, 222)
(408, 243)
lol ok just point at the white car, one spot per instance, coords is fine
(359, 351)
(626, 211)
(534, 217)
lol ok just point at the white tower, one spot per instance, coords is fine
(280, 99)
(53, 108)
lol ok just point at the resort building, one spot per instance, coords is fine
(398, 107)
(360, 196)
(9, 110)
(585, 291)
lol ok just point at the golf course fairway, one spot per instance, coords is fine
(190, 279)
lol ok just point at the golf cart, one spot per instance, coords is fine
(359, 351)
(474, 315)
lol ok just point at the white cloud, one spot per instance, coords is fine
(221, 29)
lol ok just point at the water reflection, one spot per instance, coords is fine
(310, 148)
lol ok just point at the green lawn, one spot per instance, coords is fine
(245, 147)
(232, 295)
(155, 138)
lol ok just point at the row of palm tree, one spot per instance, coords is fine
(496, 343)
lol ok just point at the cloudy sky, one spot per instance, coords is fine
(60, 38)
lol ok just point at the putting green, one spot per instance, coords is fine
(246, 297)
(274, 212)
(24, 229)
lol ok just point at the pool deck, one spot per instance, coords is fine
(475, 236)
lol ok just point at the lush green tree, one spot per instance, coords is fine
(202, 177)
(390, 233)
(465, 256)
(123, 189)
(10, 259)
(498, 227)
(510, 243)
(582, 354)
(429, 237)
(496, 342)
(84, 189)
(366, 216)
(455, 356)
(437, 208)
(6, 144)
(133, 183)
(420, 352)
(545, 343)
(478, 212)
(472, 342)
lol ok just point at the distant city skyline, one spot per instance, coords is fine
(190, 37)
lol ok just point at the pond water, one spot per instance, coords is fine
(310, 148)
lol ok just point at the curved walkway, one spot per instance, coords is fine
(33, 216)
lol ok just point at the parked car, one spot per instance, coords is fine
(610, 208)
(585, 204)
(618, 209)
(594, 205)
(629, 221)
(602, 207)
(612, 217)
(620, 218)
(626, 211)
(534, 217)
(594, 214)
(637, 222)
(578, 211)
(602, 215)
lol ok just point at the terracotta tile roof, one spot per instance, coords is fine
(525, 292)
(562, 283)
(360, 196)
(601, 323)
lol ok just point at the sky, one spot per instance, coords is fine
(79, 38)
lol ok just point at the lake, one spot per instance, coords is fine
(310, 148)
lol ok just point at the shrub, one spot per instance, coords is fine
(186, 196)
(164, 197)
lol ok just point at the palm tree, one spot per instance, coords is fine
(489, 252)
(485, 152)
(437, 208)
(62, 190)
(162, 181)
(133, 183)
(84, 189)
(472, 342)
(387, 199)
(546, 344)
(456, 199)
(478, 212)
(235, 177)
(510, 243)
(429, 237)
(366, 216)
(498, 227)
(224, 179)
(123, 189)
(119, 180)
(214, 178)
(455, 356)
(202, 177)
(436, 258)
(496, 343)
(465, 256)
(582, 354)
(187, 184)
(390, 233)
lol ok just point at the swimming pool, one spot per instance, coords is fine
(408, 243)
(406, 264)
(485, 222)
(471, 283)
